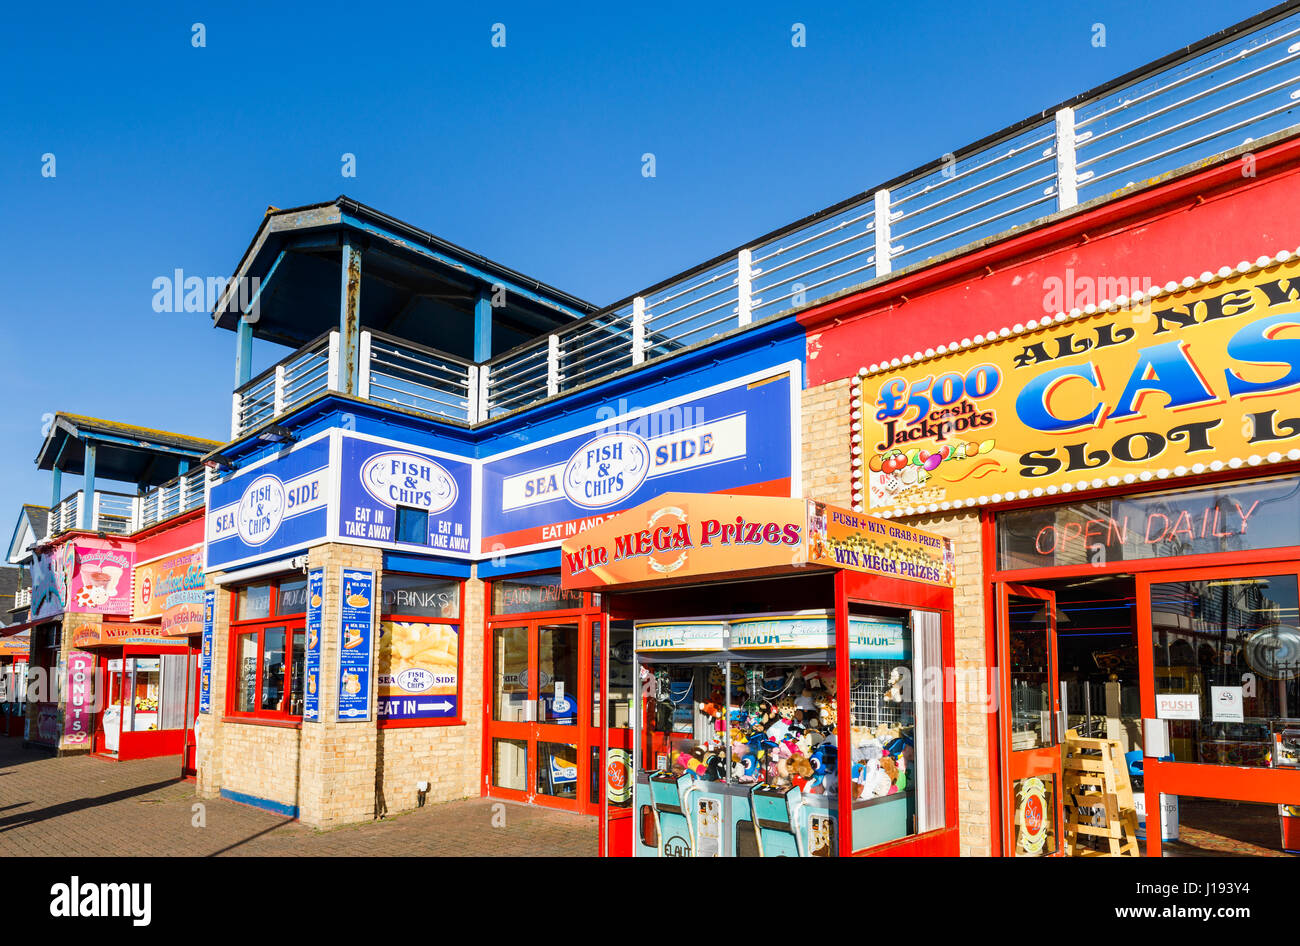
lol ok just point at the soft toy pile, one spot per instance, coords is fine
(791, 740)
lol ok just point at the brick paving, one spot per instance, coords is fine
(81, 806)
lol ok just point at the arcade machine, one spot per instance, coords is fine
(737, 745)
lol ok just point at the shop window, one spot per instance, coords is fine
(418, 655)
(1226, 660)
(533, 593)
(267, 648)
(1263, 514)
(412, 525)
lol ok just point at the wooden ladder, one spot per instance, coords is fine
(1095, 778)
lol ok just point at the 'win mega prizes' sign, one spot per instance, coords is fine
(1195, 376)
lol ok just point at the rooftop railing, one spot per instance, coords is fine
(125, 513)
(1237, 87)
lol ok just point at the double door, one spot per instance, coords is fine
(542, 735)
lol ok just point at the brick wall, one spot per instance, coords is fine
(827, 451)
(339, 772)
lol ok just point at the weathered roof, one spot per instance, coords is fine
(124, 452)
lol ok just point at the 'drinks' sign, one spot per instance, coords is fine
(1196, 376)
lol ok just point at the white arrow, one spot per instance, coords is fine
(444, 706)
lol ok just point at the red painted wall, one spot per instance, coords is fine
(1200, 222)
(187, 533)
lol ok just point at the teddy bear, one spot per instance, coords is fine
(894, 693)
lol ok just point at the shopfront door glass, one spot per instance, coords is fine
(539, 733)
(1030, 727)
(1226, 662)
(509, 673)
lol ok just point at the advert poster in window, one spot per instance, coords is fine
(171, 589)
(355, 652)
(205, 666)
(417, 667)
(315, 600)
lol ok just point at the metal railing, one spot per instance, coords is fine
(179, 495)
(1236, 87)
(22, 598)
(109, 512)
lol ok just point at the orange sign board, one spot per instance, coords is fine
(1193, 377)
(16, 646)
(171, 589)
(681, 535)
(117, 634)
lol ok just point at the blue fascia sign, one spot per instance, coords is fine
(740, 435)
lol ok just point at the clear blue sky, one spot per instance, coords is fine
(167, 155)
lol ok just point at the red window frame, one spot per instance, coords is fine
(459, 622)
(295, 628)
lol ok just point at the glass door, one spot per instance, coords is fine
(1030, 720)
(1219, 650)
(539, 736)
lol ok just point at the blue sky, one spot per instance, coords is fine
(167, 155)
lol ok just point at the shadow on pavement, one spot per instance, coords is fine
(79, 804)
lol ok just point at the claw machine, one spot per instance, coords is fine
(788, 672)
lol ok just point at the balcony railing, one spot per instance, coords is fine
(22, 598)
(1173, 115)
(109, 512)
(124, 513)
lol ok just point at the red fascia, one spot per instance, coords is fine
(1201, 221)
(179, 532)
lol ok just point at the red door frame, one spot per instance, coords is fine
(1043, 760)
(1231, 782)
(586, 734)
(1220, 561)
(850, 588)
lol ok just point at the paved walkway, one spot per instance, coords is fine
(80, 806)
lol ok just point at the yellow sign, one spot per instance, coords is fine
(1186, 381)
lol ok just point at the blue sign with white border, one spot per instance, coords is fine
(356, 651)
(273, 506)
(737, 436)
(377, 476)
(205, 659)
(311, 658)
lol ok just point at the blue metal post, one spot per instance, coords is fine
(243, 352)
(482, 328)
(88, 491)
(57, 494)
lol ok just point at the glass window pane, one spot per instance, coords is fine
(509, 673)
(273, 659)
(557, 769)
(420, 596)
(1226, 656)
(596, 638)
(412, 525)
(620, 675)
(533, 593)
(246, 673)
(254, 602)
(883, 724)
(510, 764)
(1031, 704)
(296, 674)
(557, 674)
(292, 598)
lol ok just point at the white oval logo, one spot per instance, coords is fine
(261, 510)
(415, 680)
(606, 470)
(408, 479)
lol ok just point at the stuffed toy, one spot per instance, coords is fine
(805, 700)
(690, 763)
(900, 783)
(812, 678)
(894, 694)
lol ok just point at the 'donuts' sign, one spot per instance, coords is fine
(1192, 379)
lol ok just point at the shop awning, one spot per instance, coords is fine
(701, 536)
